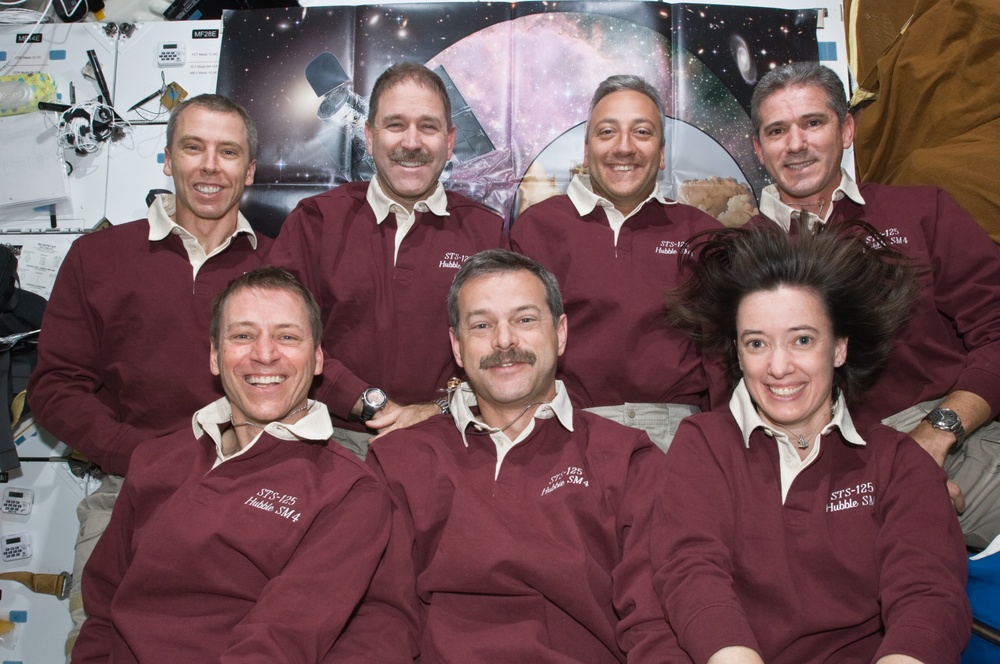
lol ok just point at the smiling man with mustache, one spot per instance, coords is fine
(380, 256)
(529, 518)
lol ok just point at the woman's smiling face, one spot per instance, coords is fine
(787, 353)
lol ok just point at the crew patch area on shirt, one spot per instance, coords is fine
(453, 259)
(275, 502)
(572, 476)
(670, 247)
(857, 495)
(894, 235)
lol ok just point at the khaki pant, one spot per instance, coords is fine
(94, 513)
(354, 441)
(659, 420)
(975, 468)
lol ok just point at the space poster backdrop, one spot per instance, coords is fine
(520, 77)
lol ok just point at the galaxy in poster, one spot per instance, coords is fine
(522, 76)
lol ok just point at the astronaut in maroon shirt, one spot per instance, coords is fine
(529, 518)
(249, 537)
(380, 256)
(612, 242)
(785, 532)
(131, 304)
(941, 384)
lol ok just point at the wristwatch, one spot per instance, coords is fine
(372, 401)
(444, 405)
(948, 420)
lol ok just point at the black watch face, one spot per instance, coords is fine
(945, 419)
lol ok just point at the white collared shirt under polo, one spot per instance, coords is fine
(742, 407)
(161, 224)
(581, 194)
(463, 399)
(213, 418)
(382, 205)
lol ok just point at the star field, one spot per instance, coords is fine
(527, 71)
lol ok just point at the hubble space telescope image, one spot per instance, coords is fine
(520, 77)
(344, 114)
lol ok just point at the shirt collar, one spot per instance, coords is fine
(742, 407)
(161, 222)
(463, 399)
(212, 419)
(772, 207)
(581, 194)
(382, 205)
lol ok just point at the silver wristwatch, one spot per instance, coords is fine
(948, 420)
(372, 401)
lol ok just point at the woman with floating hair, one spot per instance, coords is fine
(783, 534)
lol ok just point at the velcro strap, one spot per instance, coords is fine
(43, 584)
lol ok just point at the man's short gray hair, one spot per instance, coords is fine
(627, 83)
(496, 261)
(796, 74)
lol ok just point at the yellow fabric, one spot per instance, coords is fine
(17, 407)
(871, 26)
(937, 117)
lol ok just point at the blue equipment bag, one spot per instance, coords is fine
(984, 595)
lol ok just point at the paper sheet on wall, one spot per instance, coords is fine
(39, 256)
(32, 169)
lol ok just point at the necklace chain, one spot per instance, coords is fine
(263, 426)
(511, 423)
(801, 441)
